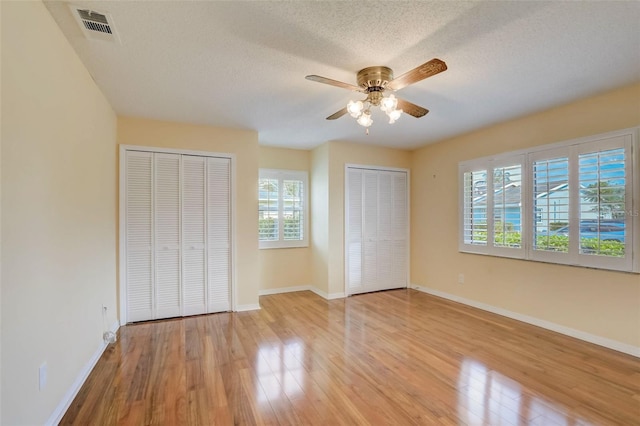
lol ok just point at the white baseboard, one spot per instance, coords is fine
(270, 291)
(71, 393)
(328, 296)
(339, 295)
(587, 337)
(249, 307)
(324, 295)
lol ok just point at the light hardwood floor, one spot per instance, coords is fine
(398, 357)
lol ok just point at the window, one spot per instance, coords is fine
(282, 209)
(571, 203)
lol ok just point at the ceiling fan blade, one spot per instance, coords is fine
(412, 109)
(331, 82)
(338, 114)
(425, 70)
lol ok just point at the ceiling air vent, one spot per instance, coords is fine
(95, 25)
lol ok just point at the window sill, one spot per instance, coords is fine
(575, 265)
(280, 245)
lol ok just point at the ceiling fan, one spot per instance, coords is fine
(374, 81)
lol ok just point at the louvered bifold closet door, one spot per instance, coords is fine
(376, 230)
(139, 236)
(218, 234)
(194, 295)
(354, 231)
(370, 231)
(400, 224)
(167, 235)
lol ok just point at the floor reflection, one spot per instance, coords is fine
(280, 371)
(486, 397)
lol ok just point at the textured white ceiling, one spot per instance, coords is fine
(242, 64)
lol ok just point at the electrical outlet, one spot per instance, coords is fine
(460, 278)
(42, 376)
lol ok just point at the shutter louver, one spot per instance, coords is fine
(139, 261)
(218, 234)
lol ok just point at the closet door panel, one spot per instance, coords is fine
(167, 235)
(370, 231)
(218, 234)
(139, 236)
(194, 294)
(354, 231)
(384, 260)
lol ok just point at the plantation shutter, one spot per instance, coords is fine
(218, 234)
(603, 199)
(138, 240)
(167, 235)
(193, 235)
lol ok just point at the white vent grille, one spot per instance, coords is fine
(95, 25)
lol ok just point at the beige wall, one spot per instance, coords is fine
(319, 185)
(58, 213)
(340, 154)
(288, 267)
(244, 145)
(603, 303)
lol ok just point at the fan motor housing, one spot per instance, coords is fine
(374, 79)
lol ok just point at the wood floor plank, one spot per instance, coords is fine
(398, 357)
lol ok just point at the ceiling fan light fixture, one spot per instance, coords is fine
(365, 119)
(355, 108)
(374, 81)
(389, 103)
(394, 115)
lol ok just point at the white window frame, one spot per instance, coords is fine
(281, 175)
(627, 138)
